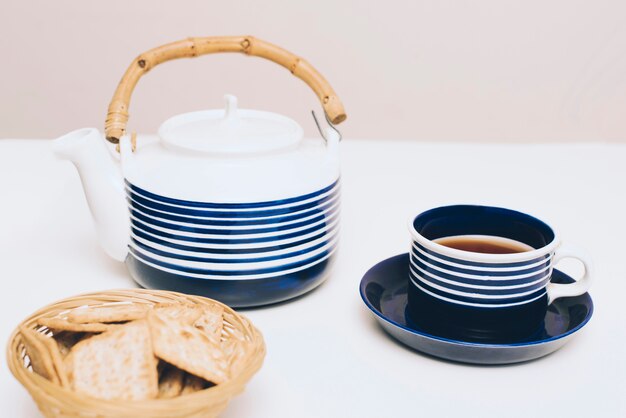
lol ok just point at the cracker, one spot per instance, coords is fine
(118, 364)
(108, 313)
(55, 354)
(60, 324)
(194, 384)
(186, 313)
(186, 347)
(211, 320)
(171, 381)
(40, 358)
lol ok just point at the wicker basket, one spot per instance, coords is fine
(56, 401)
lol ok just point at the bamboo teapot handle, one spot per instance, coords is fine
(117, 116)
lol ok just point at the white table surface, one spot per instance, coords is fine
(327, 357)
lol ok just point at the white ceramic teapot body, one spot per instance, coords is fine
(231, 204)
(244, 171)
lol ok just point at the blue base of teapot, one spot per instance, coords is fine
(235, 293)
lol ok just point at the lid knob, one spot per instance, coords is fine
(230, 114)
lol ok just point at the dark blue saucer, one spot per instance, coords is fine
(384, 291)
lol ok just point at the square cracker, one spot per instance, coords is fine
(188, 348)
(211, 321)
(118, 364)
(119, 312)
(60, 324)
(55, 354)
(40, 358)
(187, 314)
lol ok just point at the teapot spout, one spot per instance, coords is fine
(103, 185)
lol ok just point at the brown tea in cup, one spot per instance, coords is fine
(484, 244)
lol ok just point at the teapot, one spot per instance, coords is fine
(229, 203)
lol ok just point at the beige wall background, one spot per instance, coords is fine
(483, 70)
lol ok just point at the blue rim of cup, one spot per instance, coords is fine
(481, 259)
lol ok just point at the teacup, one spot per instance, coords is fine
(483, 273)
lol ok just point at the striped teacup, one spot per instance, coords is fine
(485, 295)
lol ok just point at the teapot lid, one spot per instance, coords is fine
(230, 131)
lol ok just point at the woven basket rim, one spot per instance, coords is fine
(56, 396)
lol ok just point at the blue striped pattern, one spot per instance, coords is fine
(265, 204)
(271, 247)
(235, 293)
(472, 266)
(222, 274)
(480, 288)
(188, 227)
(471, 283)
(211, 247)
(229, 213)
(233, 222)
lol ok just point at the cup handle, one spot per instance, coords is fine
(580, 286)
